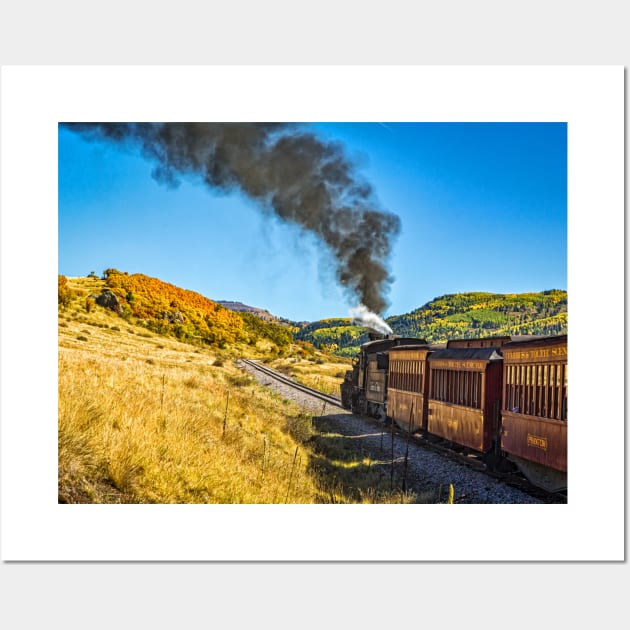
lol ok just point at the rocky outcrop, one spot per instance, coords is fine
(174, 318)
(110, 300)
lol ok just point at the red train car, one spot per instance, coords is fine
(464, 396)
(408, 385)
(534, 414)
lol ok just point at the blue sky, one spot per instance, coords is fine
(483, 207)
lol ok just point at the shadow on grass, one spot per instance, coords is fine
(358, 468)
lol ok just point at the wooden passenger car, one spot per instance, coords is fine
(408, 378)
(535, 414)
(464, 395)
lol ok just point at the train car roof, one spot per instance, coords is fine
(463, 354)
(488, 342)
(537, 341)
(379, 345)
(411, 346)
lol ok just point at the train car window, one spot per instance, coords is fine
(558, 392)
(532, 402)
(506, 385)
(414, 385)
(532, 392)
(447, 386)
(541, 390)
(525, 387)
(413, 376)
(565, 392)
(457, 388)
(464, 397)
(544, 392)
(475, 389)
(528, 392)
(465, 389)
(447, 389)
(552, 390)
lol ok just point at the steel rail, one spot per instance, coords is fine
(331, 400)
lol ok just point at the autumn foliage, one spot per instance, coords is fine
(64, 292)
(168, 309)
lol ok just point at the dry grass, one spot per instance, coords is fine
(142, 419)
(155, 433)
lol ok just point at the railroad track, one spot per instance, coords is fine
(331, 400)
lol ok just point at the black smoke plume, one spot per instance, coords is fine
(301, 178)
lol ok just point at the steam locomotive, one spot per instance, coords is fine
(502, 397)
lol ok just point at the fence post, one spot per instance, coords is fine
(391, 476)
(291, 475)
(404, 484)
(227, 402)
(163, 418)
(264, 453)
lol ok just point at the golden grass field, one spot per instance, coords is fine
(145, 418)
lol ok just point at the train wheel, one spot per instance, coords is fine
(498, 463)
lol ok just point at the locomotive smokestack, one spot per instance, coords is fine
(302, 179)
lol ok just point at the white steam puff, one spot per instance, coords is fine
(364, 317)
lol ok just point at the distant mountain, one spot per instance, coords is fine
(244, 308)
(455, 316)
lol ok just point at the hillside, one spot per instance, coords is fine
(462, 315)
(339, 335)
(166, 309)
(454, 316)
